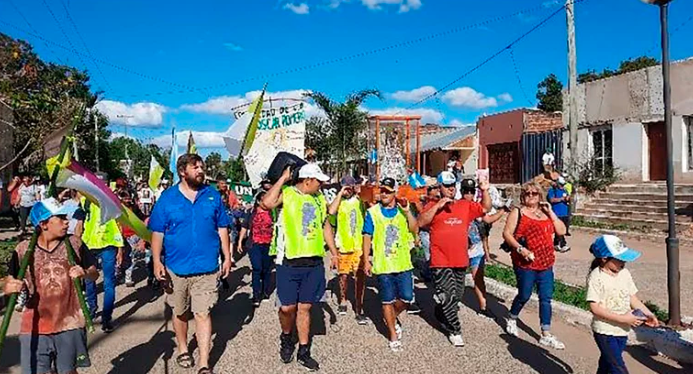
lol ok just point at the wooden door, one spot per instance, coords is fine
(504, 163)
(657, 148)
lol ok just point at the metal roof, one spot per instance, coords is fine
(443, 139)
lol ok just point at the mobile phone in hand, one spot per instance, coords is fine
(640, 314)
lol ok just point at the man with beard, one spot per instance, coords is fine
(190, 227)
(349, 210)
(448, 222)
(52, 332)
(301, 232)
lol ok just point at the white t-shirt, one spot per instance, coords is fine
(548, 159)
(146, 195)
(27, 195)
(612, 292)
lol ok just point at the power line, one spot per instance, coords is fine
(517, 75)
(492, 57)
(103, 62)
(21, 15)
(79, 35)
(63, 31)
(185, 89)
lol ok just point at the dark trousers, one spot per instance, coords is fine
(449, 283)
(611, 349)
(261, 262)
(560, 239)
(23, 215)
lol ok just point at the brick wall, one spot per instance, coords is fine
(538, 121)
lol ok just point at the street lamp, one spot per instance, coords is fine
(672, 242)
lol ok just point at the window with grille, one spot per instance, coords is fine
(602, 144)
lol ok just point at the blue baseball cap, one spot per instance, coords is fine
(446, 178)
(48, 208)
(607, 246)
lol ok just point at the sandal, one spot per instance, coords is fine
(185, 360)
(205, 371)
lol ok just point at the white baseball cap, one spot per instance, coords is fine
(312, 171)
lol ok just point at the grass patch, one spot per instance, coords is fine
(6, 248)
(565, 293)
(582, 222)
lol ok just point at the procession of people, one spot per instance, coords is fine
(287, 231)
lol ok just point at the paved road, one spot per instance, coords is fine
(246, 341)
(649, 271)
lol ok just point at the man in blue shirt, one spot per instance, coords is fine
(559, 199)
(190, 226)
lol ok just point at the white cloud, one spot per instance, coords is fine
(467, 97)
(505, 97)
(233, 47)
(550, 3)
(301, 8)
(138, 114)
(427, 115)
(224, 105)
(203, 139)
(414, 95)
(458, 123)
(403, 5)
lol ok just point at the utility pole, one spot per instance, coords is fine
(572, 83)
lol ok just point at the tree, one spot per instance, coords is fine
(626, 66)
(214, 164)
(235, 169)
(550, 94)
(318, 137)
(345, 125)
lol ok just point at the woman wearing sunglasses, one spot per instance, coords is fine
(529, 232)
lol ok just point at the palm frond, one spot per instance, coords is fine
(357, 98)
(322, 101)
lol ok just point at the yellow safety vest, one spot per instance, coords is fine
(96, 235)
(392, 242)
(350, 226)
(303, 217)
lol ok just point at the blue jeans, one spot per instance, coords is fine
(611, 349)
(526, 279)
(261, 263)
(107, 258)
(396, 286)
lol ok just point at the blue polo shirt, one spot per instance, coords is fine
(191, 237)
(560, 209)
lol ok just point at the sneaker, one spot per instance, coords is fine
(107, 327)
(256, 303)
(413, 309)
(456, 340)
(398, 329)
(286, 348)
(396, 346)
(511, 327)
(342, 310)
(306, 360)
(362, 320)
(561, 249)
(551, 342)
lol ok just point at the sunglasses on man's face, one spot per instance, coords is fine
(468, 192)
(387, 192)
(448, 185)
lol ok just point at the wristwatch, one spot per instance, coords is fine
(519, 249)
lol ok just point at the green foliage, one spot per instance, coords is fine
(6, 248)
(234, 169)
(140, 154)
(662, 315)
(580, 221)
(214, 164)
(343, 128)
(626, 66)
(588, 173)
(550, 94)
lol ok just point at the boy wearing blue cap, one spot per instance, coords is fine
(52, 334)
(613, 300)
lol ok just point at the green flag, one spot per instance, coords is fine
(256, 109)
(156, 171)
(192, 148)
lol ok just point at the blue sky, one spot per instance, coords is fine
(188, 62)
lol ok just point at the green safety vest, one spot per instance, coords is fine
(96, 235)
(303, 217)
(392, 242)
(349, 226)
(273, 244)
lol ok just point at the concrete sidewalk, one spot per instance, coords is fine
(246, 340)
(649, 271)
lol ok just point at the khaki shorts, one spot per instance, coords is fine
(196, 293)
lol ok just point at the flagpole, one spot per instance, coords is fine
(28, 255)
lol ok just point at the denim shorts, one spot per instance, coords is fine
(305, 285)
(66, 351)
(396, 286)
(477, 262)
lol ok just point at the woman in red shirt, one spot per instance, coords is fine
(260, 226)
(529, 232)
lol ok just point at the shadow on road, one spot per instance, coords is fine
(647, 358)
